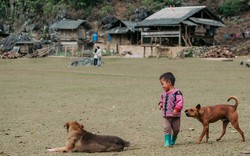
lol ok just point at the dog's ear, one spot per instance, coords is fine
(82, 127)
(198, 106)
(66, 125)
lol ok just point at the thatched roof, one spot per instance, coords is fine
(176, 15)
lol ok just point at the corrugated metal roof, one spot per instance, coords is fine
(170, 16)
(187, 22)
(176, 12)
(159, 22)
(176, 15)
(67, 24)
(207, 21)
(130, 25)
(24, 42)
(117, 30)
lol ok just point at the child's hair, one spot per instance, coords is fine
(168, 77)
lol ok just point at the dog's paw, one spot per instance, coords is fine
(51, 150)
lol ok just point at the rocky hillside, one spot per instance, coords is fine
(37, 14)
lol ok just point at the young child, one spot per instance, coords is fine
(171, 104)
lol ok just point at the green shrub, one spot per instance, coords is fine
(230, 8)
(105, 11)
(156, 5)
(3, 10)
(130, 11)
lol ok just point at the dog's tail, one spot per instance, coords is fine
(236, 100)
(133, 142)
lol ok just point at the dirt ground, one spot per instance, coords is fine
(39, 95)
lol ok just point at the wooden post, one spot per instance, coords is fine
(213, 41)
(144, 51)
(108, 46)
(186, 35)
(120, 39)
(57, 49)
(151, 51)
(73, 51)
(179, 35)
(142, 37)
(130, 39)
(117, 49)
(81, 55)
(65, 52)
(137, 37)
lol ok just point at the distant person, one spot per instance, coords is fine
(95, 37)
(99, 54)
(95, 57)
(243, 35)
(109, 38)
(171, 104)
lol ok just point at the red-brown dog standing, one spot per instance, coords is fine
(226, 113)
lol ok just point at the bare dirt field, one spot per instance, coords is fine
(38, 96)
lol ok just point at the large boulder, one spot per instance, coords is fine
(85, 61)
(108, 22)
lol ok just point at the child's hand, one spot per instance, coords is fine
(159, 105)
(175, 113)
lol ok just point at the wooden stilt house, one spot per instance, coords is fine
(179, 26)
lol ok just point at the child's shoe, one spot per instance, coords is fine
(173, 139)
(167, 142)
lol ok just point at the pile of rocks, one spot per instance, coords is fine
(85, 61)
(208, 52)
(8, 43)
(220, 52)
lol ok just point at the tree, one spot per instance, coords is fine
(230, 7)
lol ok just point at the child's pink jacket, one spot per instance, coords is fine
(170, 102)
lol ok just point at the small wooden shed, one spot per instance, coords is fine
(26, 47)
(71, 33)
(70, 30)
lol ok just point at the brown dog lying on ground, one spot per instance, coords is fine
(79, 140)
(226, 113)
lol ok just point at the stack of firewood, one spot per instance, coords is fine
(221, 52)
(13, 55)
(42, 52)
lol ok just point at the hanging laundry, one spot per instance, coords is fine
(232, 36)
(236, 35)
(225, 36)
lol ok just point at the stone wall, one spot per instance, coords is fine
(138, 50)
